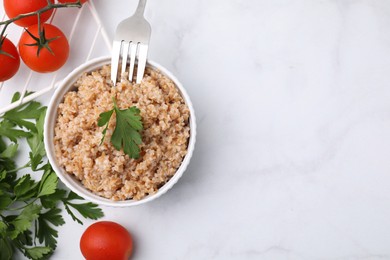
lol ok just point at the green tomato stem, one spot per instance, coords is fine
(38, 12)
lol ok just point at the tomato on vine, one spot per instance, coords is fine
(44, 51)
(9, 56)
(14, 8)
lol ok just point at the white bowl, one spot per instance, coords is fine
(70, 181)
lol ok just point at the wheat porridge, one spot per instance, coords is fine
(101, 168)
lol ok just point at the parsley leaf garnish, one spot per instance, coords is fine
(87, 210)
(20, 115)
(37, 252)
(24, 220)
(30, 204)
(127, 130)
(46, 233)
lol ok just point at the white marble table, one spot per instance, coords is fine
(293, 153)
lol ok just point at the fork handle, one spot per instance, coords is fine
(141, 8)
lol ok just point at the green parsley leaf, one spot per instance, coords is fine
(54, 217)
(48, 184)
(50, 201)
(7, 130)
(6, 164)
(37, 150)
(37, 252)
(3, 227)
(19, 115)
(25, 238)
(46, 233)
(87, 210)
(104, 118)
(3, 145)
(70, 212)
(126, 134)
(25, 188)
(3, 174)
(10, 151)
(29, 209)
(8, 179)
(35, 161)
(36, 142)
(41, 121)
(6, 251)
(73, 196)
(5, 200)
(16, 97)
(24, 221)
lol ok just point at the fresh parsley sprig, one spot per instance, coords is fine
(30, 210)
(127, 130)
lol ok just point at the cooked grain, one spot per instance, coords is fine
(102, 169)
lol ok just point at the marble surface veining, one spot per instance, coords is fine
(292, 159)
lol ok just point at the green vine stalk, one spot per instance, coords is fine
(49, 6)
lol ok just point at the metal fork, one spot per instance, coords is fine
(131, 34)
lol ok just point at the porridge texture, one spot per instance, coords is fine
(102, 169)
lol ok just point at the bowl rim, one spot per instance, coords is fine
(70, 181)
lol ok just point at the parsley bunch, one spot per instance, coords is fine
(29, 209)
(126, 134)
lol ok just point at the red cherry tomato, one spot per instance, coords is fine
(9, 60)
(14, 8)
(106, 240)
(50, 58)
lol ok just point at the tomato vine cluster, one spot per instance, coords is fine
(43, 47)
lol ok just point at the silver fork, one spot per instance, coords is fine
(132, 36)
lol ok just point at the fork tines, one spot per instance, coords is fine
(132, 36)
(125, 51)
